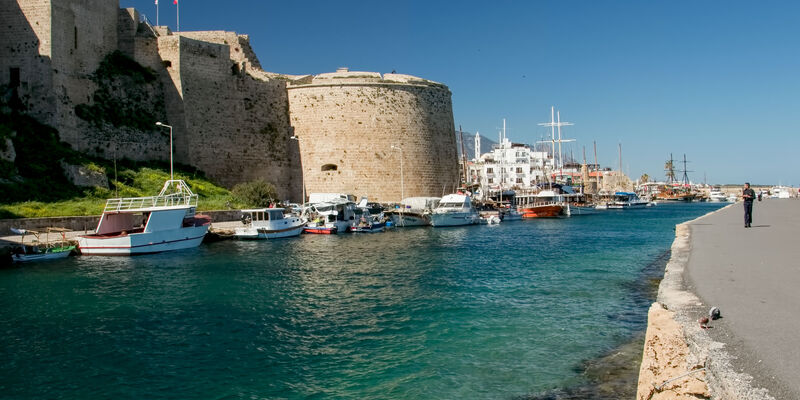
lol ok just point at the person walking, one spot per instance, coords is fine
(748, 195)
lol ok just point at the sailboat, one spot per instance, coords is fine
(548, 203)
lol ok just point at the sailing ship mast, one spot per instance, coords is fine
(553, 124)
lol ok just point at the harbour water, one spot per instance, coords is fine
(484, 312)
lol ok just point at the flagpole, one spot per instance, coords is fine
(156, 12)
(178, 15)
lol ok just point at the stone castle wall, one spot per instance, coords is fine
(232, 125)
(230, 118)
(25, 51)
(348, 122)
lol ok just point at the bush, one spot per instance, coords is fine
(258, 193)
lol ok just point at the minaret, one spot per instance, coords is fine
(477, 146)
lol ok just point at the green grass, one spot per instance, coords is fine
(133, 182)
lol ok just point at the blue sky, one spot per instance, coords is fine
(716, 80)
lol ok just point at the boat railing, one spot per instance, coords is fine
(181, 196)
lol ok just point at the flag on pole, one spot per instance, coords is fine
(175, 2)
(156, 2)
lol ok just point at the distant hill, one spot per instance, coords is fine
(469, 144)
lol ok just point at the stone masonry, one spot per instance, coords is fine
(348, 122)
(230, 118)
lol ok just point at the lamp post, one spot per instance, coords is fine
(302, 174)
(171, 177)
(402, 183)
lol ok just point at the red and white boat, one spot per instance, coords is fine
(144, 225)
(546, 204)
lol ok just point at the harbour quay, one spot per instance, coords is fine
(751, 276)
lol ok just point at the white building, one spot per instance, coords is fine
(509, 166)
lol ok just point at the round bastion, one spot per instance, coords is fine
(354, 127)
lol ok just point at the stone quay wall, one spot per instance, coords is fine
(347, 123)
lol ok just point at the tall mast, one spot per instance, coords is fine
(685, 175)
(596, 166)
(553, 124)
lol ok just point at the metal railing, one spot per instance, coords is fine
(181, 196)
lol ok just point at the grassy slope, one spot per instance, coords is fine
(34, 185)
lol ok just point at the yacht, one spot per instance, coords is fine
(268, 223)
(717, 195)
(143, 225)
(625, 200)
(454, 210)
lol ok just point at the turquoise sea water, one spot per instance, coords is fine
(478, 312)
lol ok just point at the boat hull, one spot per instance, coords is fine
(410, 219)
(321, 230)
(453, 219)
(48, 255)
(545, 211)
(142, 243)
(377, 227)
(266, 233)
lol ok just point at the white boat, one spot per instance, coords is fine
(510, 214)
(331, 214)
(717, 195)
(780, 192)
(268, 223)
(144, 225)
(733, 198)
(368, 221)
(454, 210)
(625, 200)
(413, 211)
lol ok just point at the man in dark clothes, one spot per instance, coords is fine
(748, 195)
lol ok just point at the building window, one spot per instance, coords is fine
(329, 167)
(491, 180)
(489, 170)
(519, 170)
(13, 82)
(519, 180)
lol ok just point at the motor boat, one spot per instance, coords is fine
(144, 225)
(268, 223)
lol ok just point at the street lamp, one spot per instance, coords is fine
(402, 184)
(171, 177)
(302, 173)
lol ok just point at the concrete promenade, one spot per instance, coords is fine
(753, 276)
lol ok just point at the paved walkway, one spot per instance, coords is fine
(753, 276)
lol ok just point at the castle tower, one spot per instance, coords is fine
(348, 122)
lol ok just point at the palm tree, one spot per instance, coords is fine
(644, 178)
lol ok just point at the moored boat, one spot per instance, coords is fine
(454, 210)
(268, 223)
(545, 204)
(717, 195)
(39, 251)
(413, 211)
(144, 225)
(330, 213)
(626, 200)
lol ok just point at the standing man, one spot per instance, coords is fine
(748, 195)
